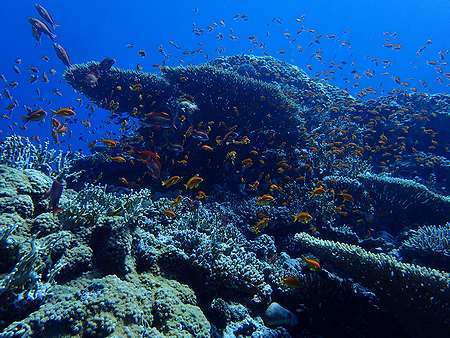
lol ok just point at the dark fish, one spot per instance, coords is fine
(175, 148)
(105, 65)
(33, 78)
(61, 53)
(45, 77)
(36, 34)
(41, 27)
(54, 195)
(45, 14)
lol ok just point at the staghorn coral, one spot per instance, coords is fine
(428, 245)
(421, 293)
(294, 81)
(20, 153)
(227, 101)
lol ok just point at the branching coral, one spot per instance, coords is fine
(419, 292)
(93, 203)
(429, 245)
(19, 152)
(203, 242)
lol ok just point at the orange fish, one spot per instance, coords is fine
(275, 187)
(290, 281)
(254, 186)
(303, 217)
(64, 112)
(200, 195)
(171, 181)
(151, 161)
(123, 180)
(318, 191)
(313, 263)
(170, 213)
(261, 224)
(207, 148)
(35, 116)
(265, 199)
(118, 159)
(55, 123)
(193, 182)
(176, 201)
(247, 163)
(346, 196)
(109, 143)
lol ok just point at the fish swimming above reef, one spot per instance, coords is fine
(248, 126)
(62, 54)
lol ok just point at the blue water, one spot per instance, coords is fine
(92, 30)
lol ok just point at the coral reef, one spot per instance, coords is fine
(250, 200)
